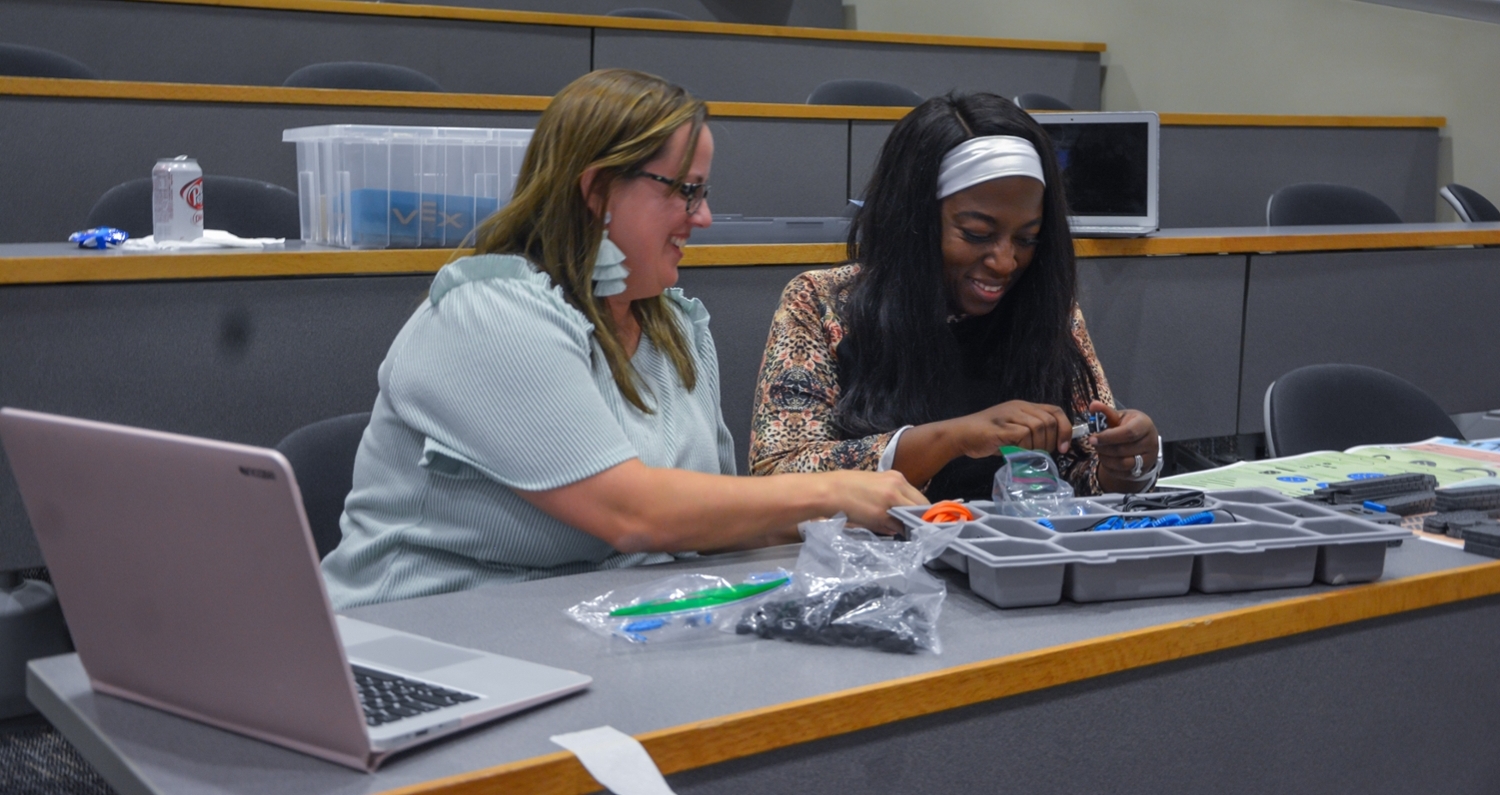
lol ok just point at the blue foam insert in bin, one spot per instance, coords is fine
(413, 220)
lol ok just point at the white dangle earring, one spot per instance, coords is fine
(609, 266)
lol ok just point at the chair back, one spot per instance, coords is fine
(1033, 101)
(20, 60)
(1337, 406)
(863, 92)
(361, 76)
(649, 13)
(1322, 204)
(322, 456)
(243, 207)
(1472, 207)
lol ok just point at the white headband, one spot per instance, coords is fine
(985, 158)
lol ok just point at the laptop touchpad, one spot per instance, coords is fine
(409, 654)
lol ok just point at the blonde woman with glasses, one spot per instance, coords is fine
(553, 406)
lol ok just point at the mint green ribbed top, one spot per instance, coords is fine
(494, 384)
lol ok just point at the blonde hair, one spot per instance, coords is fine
(614, 120)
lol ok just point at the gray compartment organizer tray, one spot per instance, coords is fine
(1259, 539)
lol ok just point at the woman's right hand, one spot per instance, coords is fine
(867, 497)
(923, 450)
(1034, 426)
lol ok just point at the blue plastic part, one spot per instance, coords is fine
(1202, 517)
(99, 237)
(1374, 506)
(1112, 523)
(645, 625)
(1170, 520)
(1047, 524)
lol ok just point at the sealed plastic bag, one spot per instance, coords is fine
(1029, 484)
(675, 608)
(851, 587)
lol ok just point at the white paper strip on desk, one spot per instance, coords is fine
(616, 760)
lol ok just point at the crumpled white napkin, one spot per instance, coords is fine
(212, 238)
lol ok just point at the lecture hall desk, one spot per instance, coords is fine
(1385, 687)
(1389, 687)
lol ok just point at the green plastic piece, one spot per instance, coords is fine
(709, 597)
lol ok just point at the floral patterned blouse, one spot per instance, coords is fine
(791, 428)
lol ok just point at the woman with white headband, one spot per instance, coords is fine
(954, 331)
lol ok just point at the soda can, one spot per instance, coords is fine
(177, 199)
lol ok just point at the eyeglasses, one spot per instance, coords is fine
(694, 193)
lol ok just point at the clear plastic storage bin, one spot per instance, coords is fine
(372, 186)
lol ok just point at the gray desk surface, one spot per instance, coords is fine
(635, 689)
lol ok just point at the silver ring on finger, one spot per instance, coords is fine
(1140, 463)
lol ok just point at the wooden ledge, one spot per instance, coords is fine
(119, 266)
(627, 23)
(425, 100)
(744, 734)
(1285, 241)
(1281, 120)
(278, 95)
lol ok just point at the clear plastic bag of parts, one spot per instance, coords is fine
(680, 607)
(1029, 484)
(851, 587)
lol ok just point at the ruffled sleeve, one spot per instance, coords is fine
(792, 426)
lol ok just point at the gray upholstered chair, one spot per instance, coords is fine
(1472, 207)
(1034, 101)
(649, 13)
(361, 76)
(243, 207)
(1322, 204)
(21, 60)
(1337, 406)
(863, 92)
(322, 458)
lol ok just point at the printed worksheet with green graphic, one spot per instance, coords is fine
(1450, 461)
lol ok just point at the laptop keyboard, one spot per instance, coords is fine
(387, 698)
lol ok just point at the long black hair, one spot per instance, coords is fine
(901, 361)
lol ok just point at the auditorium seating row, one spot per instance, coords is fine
(70, 141)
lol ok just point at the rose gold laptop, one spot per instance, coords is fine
(190, 582)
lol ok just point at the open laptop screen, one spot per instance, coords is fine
(1109, 163)
(1103, 166)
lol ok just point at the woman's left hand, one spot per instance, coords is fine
(1130, 434)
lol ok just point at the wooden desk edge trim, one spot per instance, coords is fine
(281, 95)
(121, 267)
(1287, 120)
(628, 23)
(744, 734)
(1087, 248)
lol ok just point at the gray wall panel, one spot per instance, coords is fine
(740, 301)
(1222, 176)
(787, 70)
(240, 360)
(204, 44)
(1427, 316)
(1167, 330)
(1350, 709)
(865, 140)
(779, 166)
(108, 142)
(761, 167)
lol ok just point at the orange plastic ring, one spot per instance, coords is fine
(948, 511)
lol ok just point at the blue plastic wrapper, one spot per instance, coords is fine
(100, 237)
